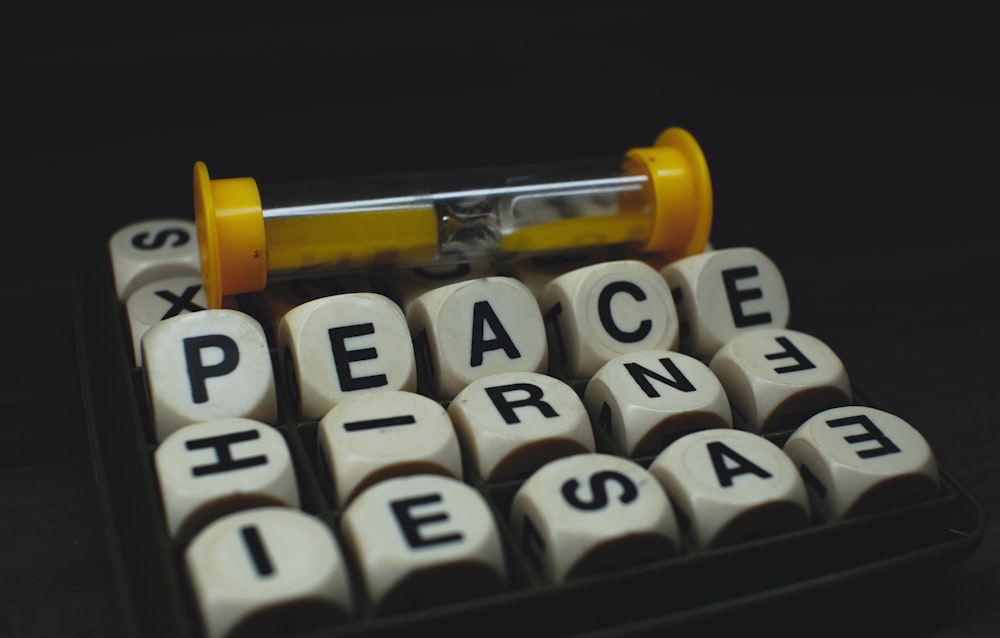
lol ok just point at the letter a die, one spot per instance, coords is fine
(730, 486)
(207, 365)
(859, 460)
(469, 330)
(341, 346)
(724, 293)
(591, 513)
(595, 313)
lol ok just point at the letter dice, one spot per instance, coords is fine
(160, 300)
(777, 378)
(730, 486)
(206, 470)
(424, 540)
(512, 423)
(150, 250)
(591, 513)
(207, 365)
(724, 293)
(469, 330)
(343, 345)
(859, 460)
(268, 571)
(372, 437)
(645, 400)
(595, 313)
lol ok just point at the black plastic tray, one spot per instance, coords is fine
(691, 588)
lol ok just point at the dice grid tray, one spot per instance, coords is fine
(157, 597)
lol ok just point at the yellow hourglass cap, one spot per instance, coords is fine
(231, 239)
(682, 194)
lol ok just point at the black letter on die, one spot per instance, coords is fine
(258, 553)
(161, 238)
(506, 408)
(180, 304)
(226, 462)
(604, 312)
(802, 362)
(599, 492)
(482, 312)
(872, 433)
(410, 525)
(719, 452)
(677, 380)
(198, 373)
(342, 357)
(737, 297)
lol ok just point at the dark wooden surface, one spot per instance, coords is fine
(855, 148)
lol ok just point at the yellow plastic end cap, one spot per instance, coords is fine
(231, 238)
(682, 193)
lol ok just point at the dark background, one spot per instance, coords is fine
(854, 145)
